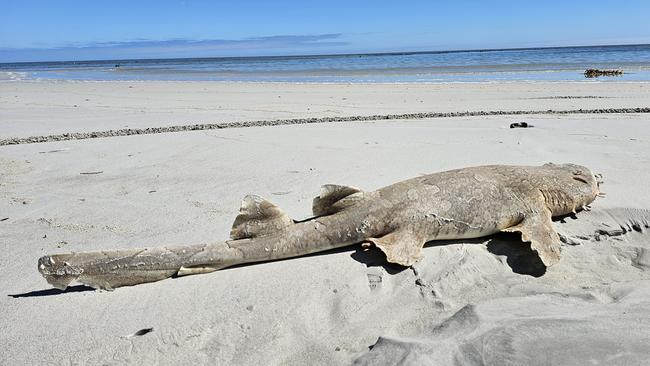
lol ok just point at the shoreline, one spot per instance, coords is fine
(598, 80)
(267, 123)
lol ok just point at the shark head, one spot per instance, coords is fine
(57, 271)
(568, 188)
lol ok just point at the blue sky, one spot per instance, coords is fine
(116, 29)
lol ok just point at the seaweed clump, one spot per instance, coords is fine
(594, 73)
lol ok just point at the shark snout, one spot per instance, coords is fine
(58, 272)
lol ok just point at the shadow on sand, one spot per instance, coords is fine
(53, 291)
(519, 256)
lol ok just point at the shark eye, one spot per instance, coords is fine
(580, 179)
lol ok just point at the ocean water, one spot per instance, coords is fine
(534, 64)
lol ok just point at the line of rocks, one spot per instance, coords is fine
(280, 122)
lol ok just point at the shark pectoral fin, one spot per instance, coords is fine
(403, 246)
(334, 198)
(258, 217)
(537, 229)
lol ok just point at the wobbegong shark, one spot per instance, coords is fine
(398, 219)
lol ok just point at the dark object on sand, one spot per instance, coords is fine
(142, 332)
(594, 73)
(520, 125)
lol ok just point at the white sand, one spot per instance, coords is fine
(52, 107)
(462, 302)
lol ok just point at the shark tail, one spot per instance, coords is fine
(126, 267)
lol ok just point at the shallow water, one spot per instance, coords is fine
(541, 64)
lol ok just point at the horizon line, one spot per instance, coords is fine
(334, 54)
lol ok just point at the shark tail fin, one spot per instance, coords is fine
(334, 198)
(258, 217)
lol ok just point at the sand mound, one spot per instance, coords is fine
(546, 329)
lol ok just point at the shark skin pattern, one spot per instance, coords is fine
(399, 219)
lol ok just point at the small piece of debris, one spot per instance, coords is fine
(337, 349)
(140, 333)
(282, 193)
(152, 191)
(54, 151)
(45, 236)
(4, 219)
(21, 200)
(61, 244)
(88, 173)
(520, 125)
(250, 308)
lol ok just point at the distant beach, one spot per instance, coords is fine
(531, 64)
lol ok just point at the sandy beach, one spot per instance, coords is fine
(467, 302)
(54, 106)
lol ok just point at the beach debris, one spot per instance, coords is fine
(139, 333)
(54, 151)
(520, 125)
(4, 219)
(21, 200)
(91, 173)
(594, 73)
(280, 193)
(398, 219)
(280, 122)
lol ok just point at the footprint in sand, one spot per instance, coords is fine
(374, 281)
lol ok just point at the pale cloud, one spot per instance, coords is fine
(141, 48)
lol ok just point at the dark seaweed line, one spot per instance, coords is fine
(281, 122)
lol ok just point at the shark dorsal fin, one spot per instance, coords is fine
(334, 198)
(258, 217)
